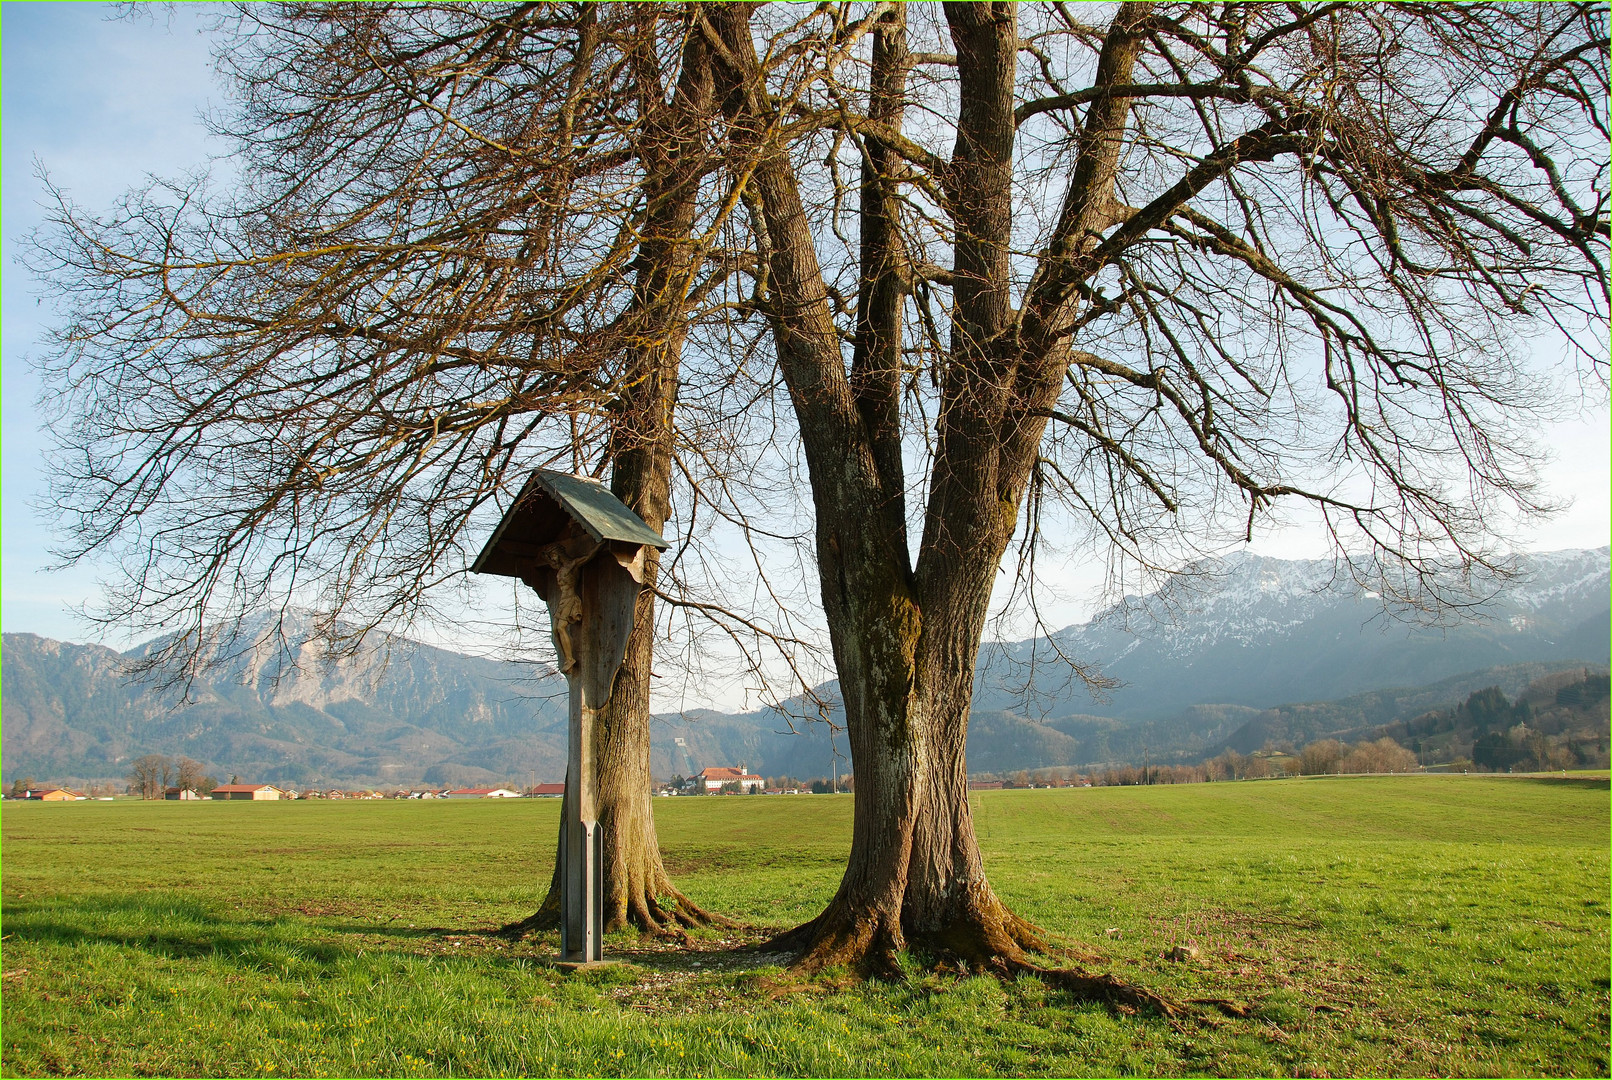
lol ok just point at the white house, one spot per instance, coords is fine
(483, 793)
(711, 779)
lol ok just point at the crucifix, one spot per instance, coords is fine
(583, 550)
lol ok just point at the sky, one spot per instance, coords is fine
(101, 102)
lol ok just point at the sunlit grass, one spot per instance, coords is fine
(1384, 926)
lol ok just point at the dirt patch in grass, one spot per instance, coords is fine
(706, 972)
(1255, 956)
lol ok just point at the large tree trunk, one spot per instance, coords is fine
(906, 639)
(637, 889)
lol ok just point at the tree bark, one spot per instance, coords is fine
(906, 639)
(637, 889)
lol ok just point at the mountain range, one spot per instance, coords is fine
(407, 714)
(1198, 664)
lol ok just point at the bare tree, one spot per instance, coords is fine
(467, 245)
(1321, 757)
(1132, 280)
(1290, 240)
(150, 775)
(1229, 765)
(1382, 756)
(191, 775)
(671, 149)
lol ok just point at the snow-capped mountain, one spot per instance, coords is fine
(1258, 632)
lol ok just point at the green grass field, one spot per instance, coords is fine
(1426, 925)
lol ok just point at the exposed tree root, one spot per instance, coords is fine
(1239, 1009)
(1115, 993)
(993, 941)
(648, 913)
(652, 916)
(870, 946)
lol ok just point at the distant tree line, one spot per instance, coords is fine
(151, 775)
(1557, 723)
(1319, 758)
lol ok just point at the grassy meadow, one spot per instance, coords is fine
(1421, 925)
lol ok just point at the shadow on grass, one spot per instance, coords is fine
(1588, 783)
(175, 928)
(416, 933)
(182, 928)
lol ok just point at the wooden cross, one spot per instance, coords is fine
(583, 550)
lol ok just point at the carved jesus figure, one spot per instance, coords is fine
(566, 557)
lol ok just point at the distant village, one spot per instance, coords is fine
(714, 780)
(1505, 736)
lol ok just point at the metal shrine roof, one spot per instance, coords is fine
(539, 515)
(597, 510)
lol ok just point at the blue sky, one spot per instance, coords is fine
(102, 102)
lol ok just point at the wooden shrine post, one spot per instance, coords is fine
(583, 550)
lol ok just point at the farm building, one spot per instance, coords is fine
(178, 794)
(256, 792)
(56, 794)
(711, 779)
(483, 793)
(547, 791)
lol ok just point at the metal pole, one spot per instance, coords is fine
(579, 925)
